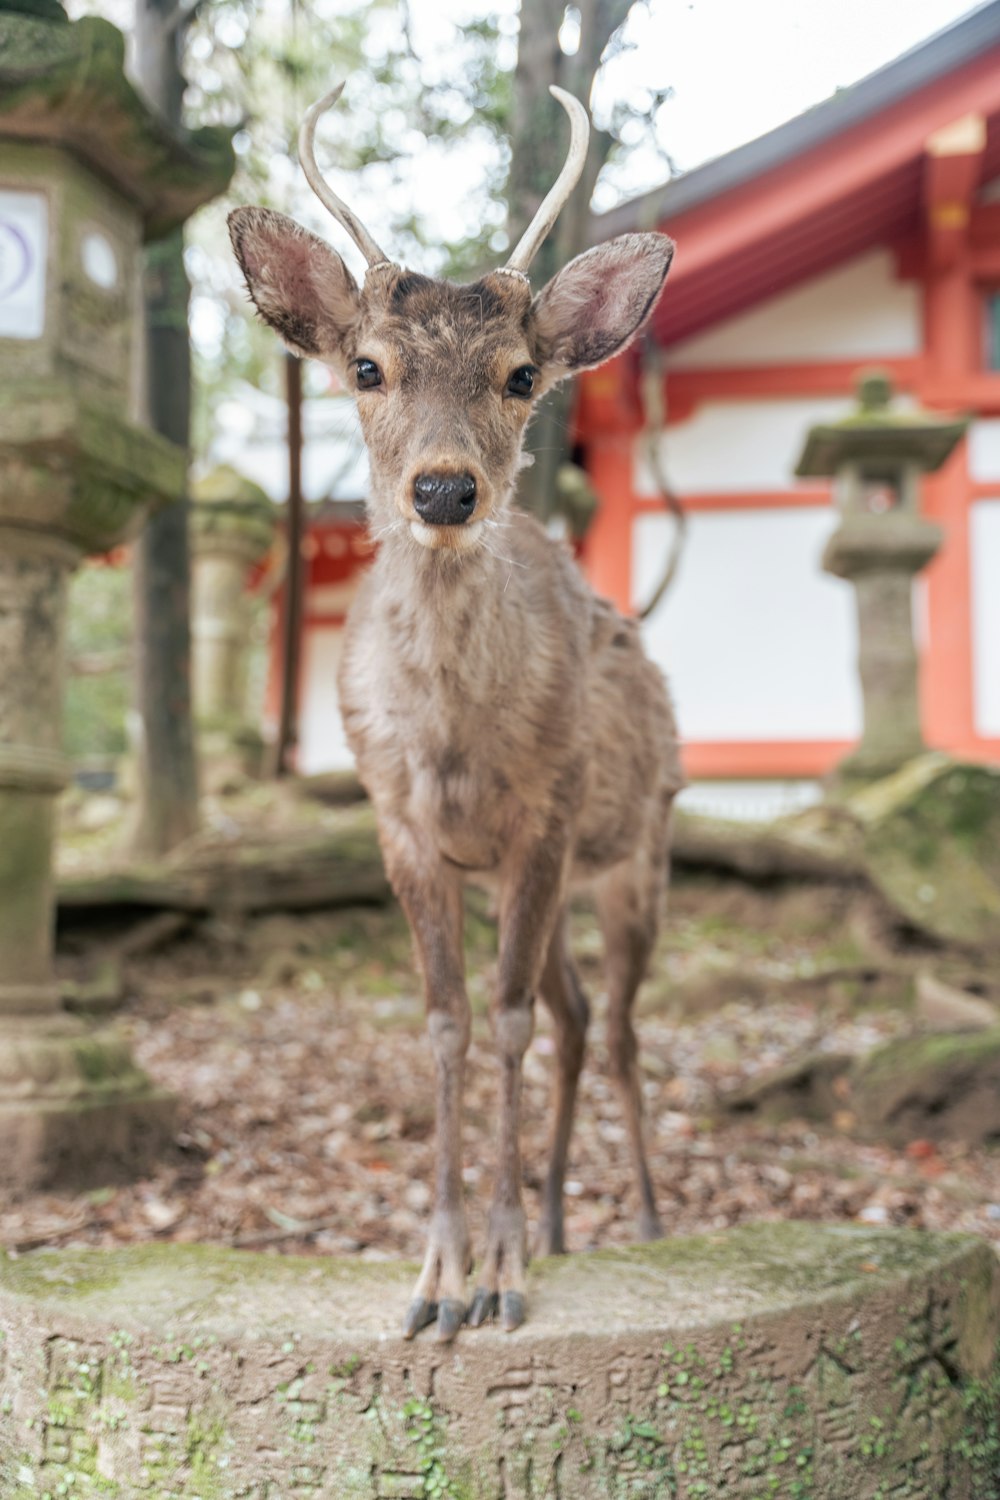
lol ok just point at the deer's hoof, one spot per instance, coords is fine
(451, 1316)
(512, 1311)
(485, 1305)
(419, 1313)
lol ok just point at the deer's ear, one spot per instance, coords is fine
(298, 284)
(594, 306)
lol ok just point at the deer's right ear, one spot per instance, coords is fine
(298, 284)
(596, 305)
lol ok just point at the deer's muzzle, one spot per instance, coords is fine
(444, 499)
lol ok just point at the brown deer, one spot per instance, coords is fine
(506, 723)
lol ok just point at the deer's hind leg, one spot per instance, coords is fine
(628, 909)
(562, 992)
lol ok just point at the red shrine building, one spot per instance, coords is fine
(865, 232)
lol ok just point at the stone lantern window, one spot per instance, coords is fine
(876, 457)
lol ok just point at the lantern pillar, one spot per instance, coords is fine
(876, 457)
(87, 174)
(232, 529)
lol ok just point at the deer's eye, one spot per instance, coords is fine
(522, 382)
(368, 373)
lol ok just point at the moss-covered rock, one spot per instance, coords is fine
(779, 1360)
(941, 1087)
(807, 1088)
(932, 846)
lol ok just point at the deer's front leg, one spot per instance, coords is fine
(530, 901)
(431, 895)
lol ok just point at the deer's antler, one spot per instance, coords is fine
(359, 234)
(557, 195)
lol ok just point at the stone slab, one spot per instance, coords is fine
(81, 1143)
(75, 1110)
(775, 1360)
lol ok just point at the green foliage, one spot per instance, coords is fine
(979, 1444)
(423, 1432)
(259, 66)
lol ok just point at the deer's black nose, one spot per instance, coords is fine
(444, 499)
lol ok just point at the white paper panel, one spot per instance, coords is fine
(322, 746)
(730, 447)
(23, 256)
(984, 543)
(984, 449)
(758, 642)
(858, 311)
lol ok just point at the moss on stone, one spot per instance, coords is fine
(880, 1377)
(932, 846)
(945, 1085)
(72, 77)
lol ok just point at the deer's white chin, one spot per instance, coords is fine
(452, 538)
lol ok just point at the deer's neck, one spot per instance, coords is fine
(458, 611)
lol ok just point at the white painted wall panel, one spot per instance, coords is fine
(731, 447)
(858, 311)
(984, 449)
(758, 642)
(984, 544)
(322, 746)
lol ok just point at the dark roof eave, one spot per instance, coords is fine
(932, 59)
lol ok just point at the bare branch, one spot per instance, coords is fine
(652, 391)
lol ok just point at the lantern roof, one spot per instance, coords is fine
(63, 83)
(877, 432)
(224, 485)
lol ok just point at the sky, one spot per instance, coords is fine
(740, 67)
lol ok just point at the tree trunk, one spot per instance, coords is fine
(167, 778)
(539, 139)
(294, 587)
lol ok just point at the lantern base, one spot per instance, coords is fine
(74, 1107)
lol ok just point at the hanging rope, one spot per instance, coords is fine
(652, 393)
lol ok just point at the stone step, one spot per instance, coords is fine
(774, 1360)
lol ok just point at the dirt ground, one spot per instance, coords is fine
(296, 1046)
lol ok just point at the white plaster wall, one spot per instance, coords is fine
(322, 746)
(750, 801)
(858, 311)
(758, 642)
(984, 543)
(984, 449)
(732, 447)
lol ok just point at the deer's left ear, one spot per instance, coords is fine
(298, 284)
(597, 304)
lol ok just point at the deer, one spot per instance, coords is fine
(506, 723)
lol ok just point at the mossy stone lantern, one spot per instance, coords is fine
(88, 173)
(876, 457)
(233, 525)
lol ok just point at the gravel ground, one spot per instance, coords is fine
(296, 1046)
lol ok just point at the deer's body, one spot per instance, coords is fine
(495, 694)
(505, 721)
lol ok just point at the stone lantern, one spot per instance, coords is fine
(87, 174)
(876, 457)
(232, 528)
